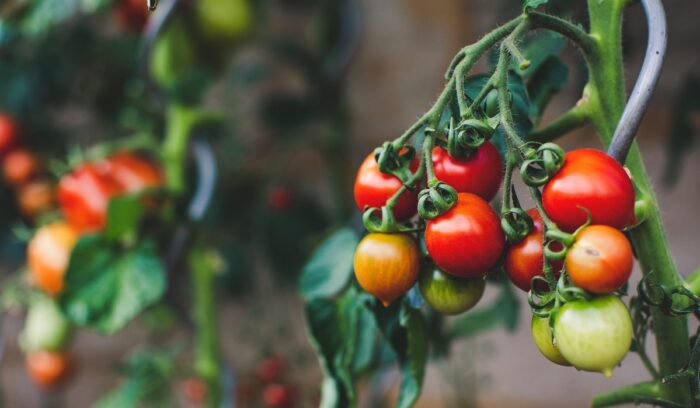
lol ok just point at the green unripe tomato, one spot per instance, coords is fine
(448, 294)
(594, 335)
(46, 328)
(173, 55)
(223, 20)
(542, 336)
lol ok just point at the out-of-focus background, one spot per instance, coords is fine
(292, 141)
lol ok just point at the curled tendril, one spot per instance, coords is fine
(469, 135)
(395, 161)
(567, 292)
(658, 295)
(559, 238)
(544, 163)
(516, 224)
(545, 302)
(381, 220)
(435, 200)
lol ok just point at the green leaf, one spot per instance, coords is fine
(550, 78)
(340, 333)
(537, 49)
(531, 4)
(503, 311)
(330, 268)
(123, 215)
(106, 287)
(404, 328)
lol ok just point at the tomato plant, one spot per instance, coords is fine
(467, 240)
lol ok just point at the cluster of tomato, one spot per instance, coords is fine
(268, 385)
(83, 196)
(590, 198)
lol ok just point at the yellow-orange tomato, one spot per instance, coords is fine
(35, 197)
(387, 265)
(48, 254)
(600, 261)
(47, 368)
(19, 166)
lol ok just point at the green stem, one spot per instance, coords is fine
(570, 120)
(636, 393)
(206, 350)
(569, 30)
(606, 93)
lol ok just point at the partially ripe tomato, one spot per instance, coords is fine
(278, 396)
(525, 260)
(594, 335)
(542, 336)
(48, 254)
(601, 260)
(35, 198)
(480, 174)
(132, 14)
(466, 241)
(9, 133)
(373, 188)
(592, 180)
(45, 328)
(48, 369)
(83, 196)
(449, 294)
(270, 369)
(133, 172)
(387, 265)
(19, 166)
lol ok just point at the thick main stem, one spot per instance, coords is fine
(607, 98)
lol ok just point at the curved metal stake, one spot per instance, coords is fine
(154, 26)
(646, 81)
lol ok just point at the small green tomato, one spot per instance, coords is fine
(448, 294)
(542, 336)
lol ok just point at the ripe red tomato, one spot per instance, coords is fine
(600, 261)
(83, 196)
(480, 174)
(271, 369)
(134, 173)
(48, 254)
(373, 188)
(132, 14)
(387, 265)
(466, 241)
(525, 260)
(19, 166)
(9, 133)
(592, 180)
(195, 390)
(48, 369)
(35, 198)
(278, 396)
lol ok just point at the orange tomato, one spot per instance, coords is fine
(48, 369)
(48, 254)
(35, 197)
(19, 166)
(134, 173)
(601, 259)
(387, 265)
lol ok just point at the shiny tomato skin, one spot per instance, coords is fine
(542, 336)
(48, 369)
(594, 335)
(387, 265)
(133, 172)
(480, 174)
(35, 198)
(449, 294)
(601, 259)
(83, 196)
(592, 180)
(9, 133)
(48, 253)
(525, 260)
(373, 188)
(466, 241)
(20, 166)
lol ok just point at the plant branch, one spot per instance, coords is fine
(569, 30)
(572, 119)
(642, 393)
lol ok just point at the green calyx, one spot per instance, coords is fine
(435, 200)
